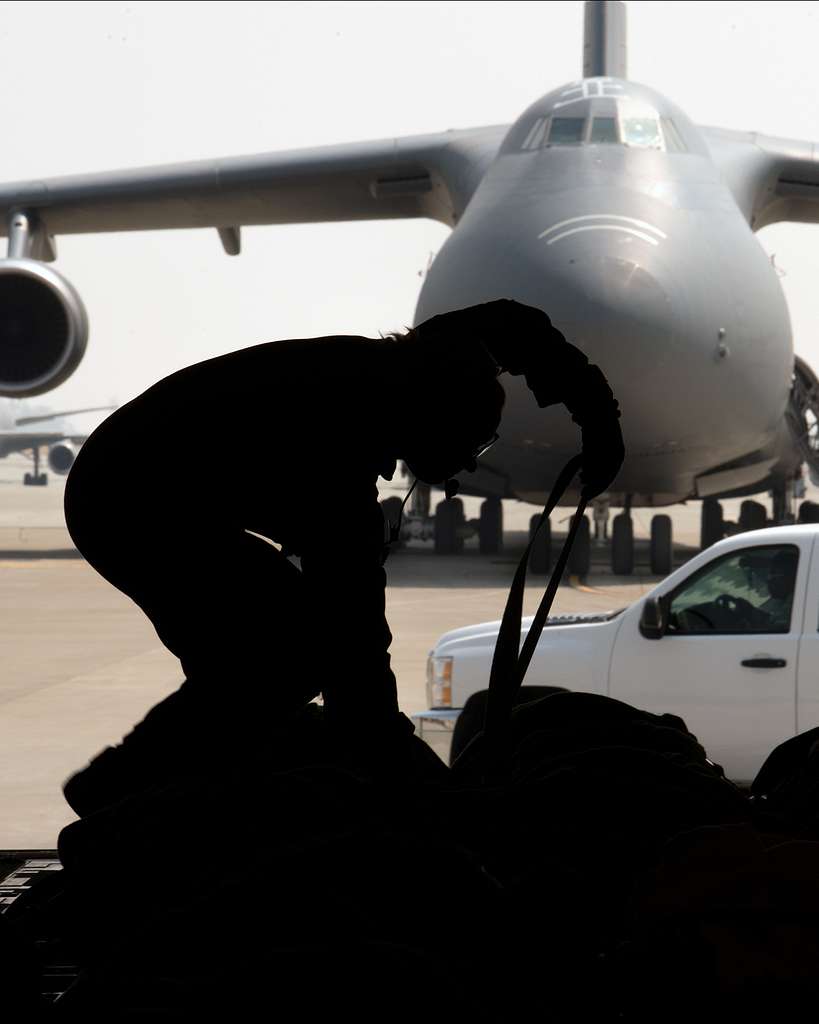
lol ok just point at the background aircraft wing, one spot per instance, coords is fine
(772, 179)
(23, 441)
(23, 421)
(415, 176)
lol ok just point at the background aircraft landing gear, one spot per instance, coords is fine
(661, 547)
(35, 479)
(490, 527)
(712, 525)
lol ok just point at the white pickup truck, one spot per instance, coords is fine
(729, 641)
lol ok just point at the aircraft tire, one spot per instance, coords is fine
(540, 558)
(622, 545)
(42, 479)
(449, 516)
(391, 507)
(661, 548)
(712, 526)
(580, 555)
(28, 479)
(490, 527)
(808, 512)
(752, 516)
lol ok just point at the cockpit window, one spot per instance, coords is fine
(626, 122)
(566, 131)
(604, 129)
(643, 132)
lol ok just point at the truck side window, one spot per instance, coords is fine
(747, 591)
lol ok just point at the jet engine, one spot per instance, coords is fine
(61, 457)
(43, 328)
(803, 416)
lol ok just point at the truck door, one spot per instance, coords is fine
(727, 662)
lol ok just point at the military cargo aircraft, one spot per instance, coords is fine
(603, 204)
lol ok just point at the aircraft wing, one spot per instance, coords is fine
(415, 176)
(772, 179)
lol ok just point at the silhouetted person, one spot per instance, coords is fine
(287, 440)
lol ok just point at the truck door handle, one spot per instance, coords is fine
(764, 663)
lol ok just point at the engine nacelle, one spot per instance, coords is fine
(61, 457)
(43, 328)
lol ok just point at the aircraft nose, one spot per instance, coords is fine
(609, 299)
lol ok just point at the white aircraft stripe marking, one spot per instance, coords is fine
(604, 227)
(606, 216)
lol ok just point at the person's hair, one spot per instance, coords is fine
(408, 334)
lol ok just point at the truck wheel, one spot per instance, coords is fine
(540, 558)
(449, 516)
(661, 549)
(490, 527)
(712, 527)
(580, 555)
(808, 512)
(752, 516)
(470, 721)
(391, 507)
(622, 545)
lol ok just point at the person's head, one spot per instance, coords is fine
(451, 403)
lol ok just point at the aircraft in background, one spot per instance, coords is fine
(62, 445)
(603, 204)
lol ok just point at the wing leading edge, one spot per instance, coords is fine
(417, 176)
(772, 179)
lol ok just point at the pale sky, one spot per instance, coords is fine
(97, 86)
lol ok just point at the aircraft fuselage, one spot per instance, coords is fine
(643, 259)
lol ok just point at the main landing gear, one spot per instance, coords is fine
(451, 527)
(35, 479)
(447, 527)
(714, 526)
(753, 515)
(661, 548)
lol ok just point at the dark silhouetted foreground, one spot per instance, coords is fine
(609, 872)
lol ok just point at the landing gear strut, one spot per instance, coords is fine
(782, 497)
(35, 479)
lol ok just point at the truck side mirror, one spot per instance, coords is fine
(652, 618)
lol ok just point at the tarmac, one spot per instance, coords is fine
(81, 664)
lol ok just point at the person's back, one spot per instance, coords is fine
(260, 437)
